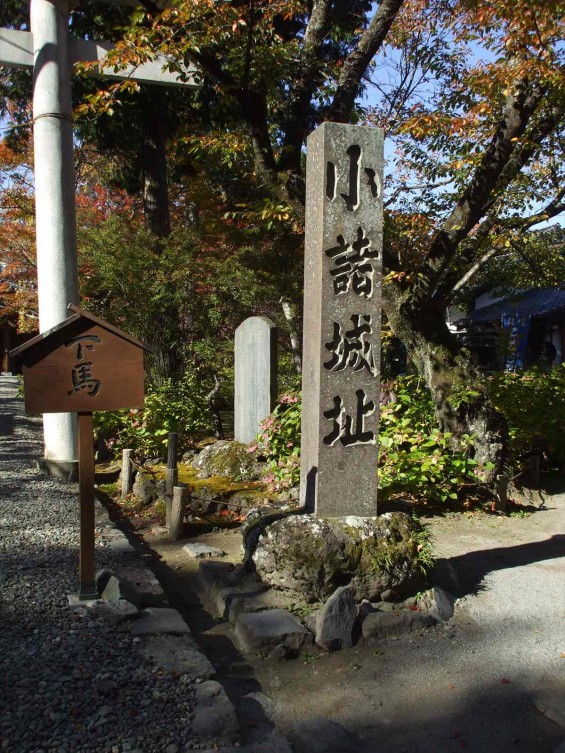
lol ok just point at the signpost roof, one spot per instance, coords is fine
(77, 314)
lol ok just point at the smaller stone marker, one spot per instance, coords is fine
(342, 320)
(255, 375)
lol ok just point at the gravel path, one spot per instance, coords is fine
(68, 683)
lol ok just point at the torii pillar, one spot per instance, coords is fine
(55, 215)
(50, 51)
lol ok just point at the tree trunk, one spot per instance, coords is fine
(450, 375)
(154, 160)
(296, 348)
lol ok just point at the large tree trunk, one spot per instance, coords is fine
(451, 375)
(154, 159)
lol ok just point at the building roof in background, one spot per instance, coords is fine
(526, 303)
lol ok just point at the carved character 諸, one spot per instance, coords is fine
(352, 266)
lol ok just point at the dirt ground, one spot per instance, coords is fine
(476, 683)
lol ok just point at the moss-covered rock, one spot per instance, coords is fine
(227, 459)
(310, 557)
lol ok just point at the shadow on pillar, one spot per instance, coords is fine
(310, 496)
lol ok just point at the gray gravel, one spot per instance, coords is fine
(68, 683)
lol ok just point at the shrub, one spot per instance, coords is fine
(533, 403)
(174, 405)
(414, 456)
(279, 442)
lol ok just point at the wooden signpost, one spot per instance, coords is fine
(81, 365)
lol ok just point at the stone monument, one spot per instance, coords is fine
(342, 320)
(255, 375)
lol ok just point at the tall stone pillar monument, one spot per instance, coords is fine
(342, 320)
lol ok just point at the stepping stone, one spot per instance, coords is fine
(154, 621)
(552, 705)
(256, 631)
(178, 654)
(142, 585)
(334, 625)
(320, 735)
(383, 624)
(214, 714)
(202, 551)
(114, 612)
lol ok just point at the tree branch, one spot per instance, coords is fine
(305, 83)
(480, 194)
(356, 64)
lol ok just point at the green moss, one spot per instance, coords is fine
(404, 546)
(221, 486)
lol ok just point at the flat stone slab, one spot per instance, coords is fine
(256, 631)
(552, 705)
(257, 600)
(319, 735)
(178, 654)
(154, 621)
(120, 545)
(114, 612)
(75, 602)
(274, 743)
(143, 582)
(214, 714)
(200, 551)
(384, 624)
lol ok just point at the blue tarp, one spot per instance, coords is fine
(523, 305)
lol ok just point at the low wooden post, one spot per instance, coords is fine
(87, 588)
(501, 492)
(534, 471)
(177, 505)
(172, 473)
(127, 472)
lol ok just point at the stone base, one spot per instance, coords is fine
(76, 601)
(64, 470)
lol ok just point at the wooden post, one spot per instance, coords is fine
(127, 472)
(87, 588)
(171, 474)
(534, 470)
(501, 492)
(177, 513)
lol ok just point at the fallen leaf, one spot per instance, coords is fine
(505, 681)
(562, 655)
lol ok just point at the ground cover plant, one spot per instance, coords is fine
(533, 402)
(174, 405)
(418, 460)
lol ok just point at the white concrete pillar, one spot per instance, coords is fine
(54, 193)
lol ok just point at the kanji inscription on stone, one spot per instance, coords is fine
(342, 320)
